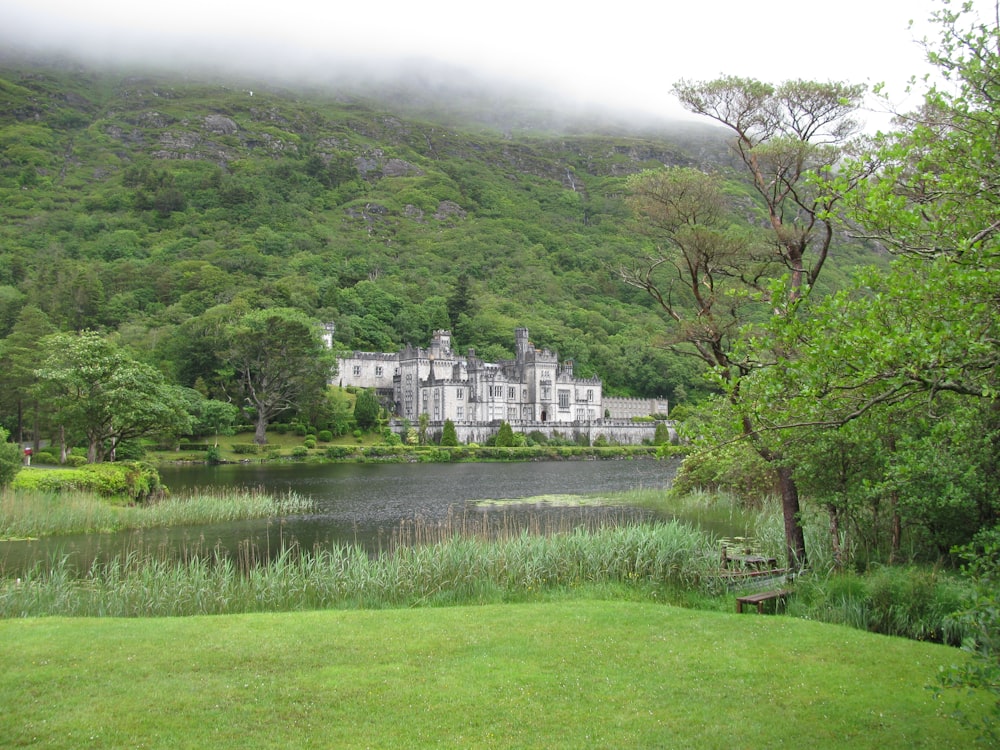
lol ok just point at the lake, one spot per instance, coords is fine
(374, 505)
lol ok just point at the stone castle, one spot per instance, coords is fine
(532, 392)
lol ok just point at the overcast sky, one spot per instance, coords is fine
(624, 53)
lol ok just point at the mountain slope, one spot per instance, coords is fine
(137, 201)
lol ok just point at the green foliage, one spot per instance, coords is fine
(105, 394)
(449, 437)
(11, 459)
(911, 602)
(367, 409)
(132, 481)
(980, 618)
(278, 363)
(504, 437)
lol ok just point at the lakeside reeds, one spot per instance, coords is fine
(27, 514)
(468, 570)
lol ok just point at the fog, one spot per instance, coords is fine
(623, 56)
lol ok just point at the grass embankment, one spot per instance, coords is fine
(27, 513)
(576, 674)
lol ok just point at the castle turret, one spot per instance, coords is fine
(521, 343)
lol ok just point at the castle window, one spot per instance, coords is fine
(563, 399)
(546, 393)
(590, 394)
(460, 412)
(460, 394)
(378, 371)
(356, 369)
(512, 393)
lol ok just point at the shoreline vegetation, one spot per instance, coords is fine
(451, 563)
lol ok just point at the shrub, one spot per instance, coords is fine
(325, 436)
(505, 437)
(979, 617)
(45, 458)
(245, 448)
(132, 480)
(309, 442)
(11, 459)
(339, 451)
(449, 437)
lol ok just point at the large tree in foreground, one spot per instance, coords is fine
(786, 138)
(276, 362)
(912, 354)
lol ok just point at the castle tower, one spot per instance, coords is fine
(521, 343)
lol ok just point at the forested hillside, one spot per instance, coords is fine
(136, 202)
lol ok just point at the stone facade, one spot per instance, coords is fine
(532, 392)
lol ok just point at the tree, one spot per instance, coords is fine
(917, 345)
(10, 458)
(787, 138)
(99, 391)
(504, 437)
(366, 409)
(449, 437)
(277, 361)
(20, 357)
(702, 267)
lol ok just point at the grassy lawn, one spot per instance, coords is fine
(573, 674)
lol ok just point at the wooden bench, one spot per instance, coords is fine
(759, 598)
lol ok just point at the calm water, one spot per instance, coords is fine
(367, 504)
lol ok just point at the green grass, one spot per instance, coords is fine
(34, 513)
(578, 674)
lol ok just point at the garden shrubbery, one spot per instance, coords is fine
(130, 480)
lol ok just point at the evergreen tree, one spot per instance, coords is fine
(505, 437)
(449, 438)
(10, 459)
(366, 409)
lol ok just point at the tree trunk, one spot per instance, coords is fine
(838, 555)
(795, 541)
(260, 432)
(896, 527)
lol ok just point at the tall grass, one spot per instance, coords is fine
(911, 602)
(32, 513)
(655, 558)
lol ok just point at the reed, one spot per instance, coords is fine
(652, 558)
(912, 602)
(32, 513)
